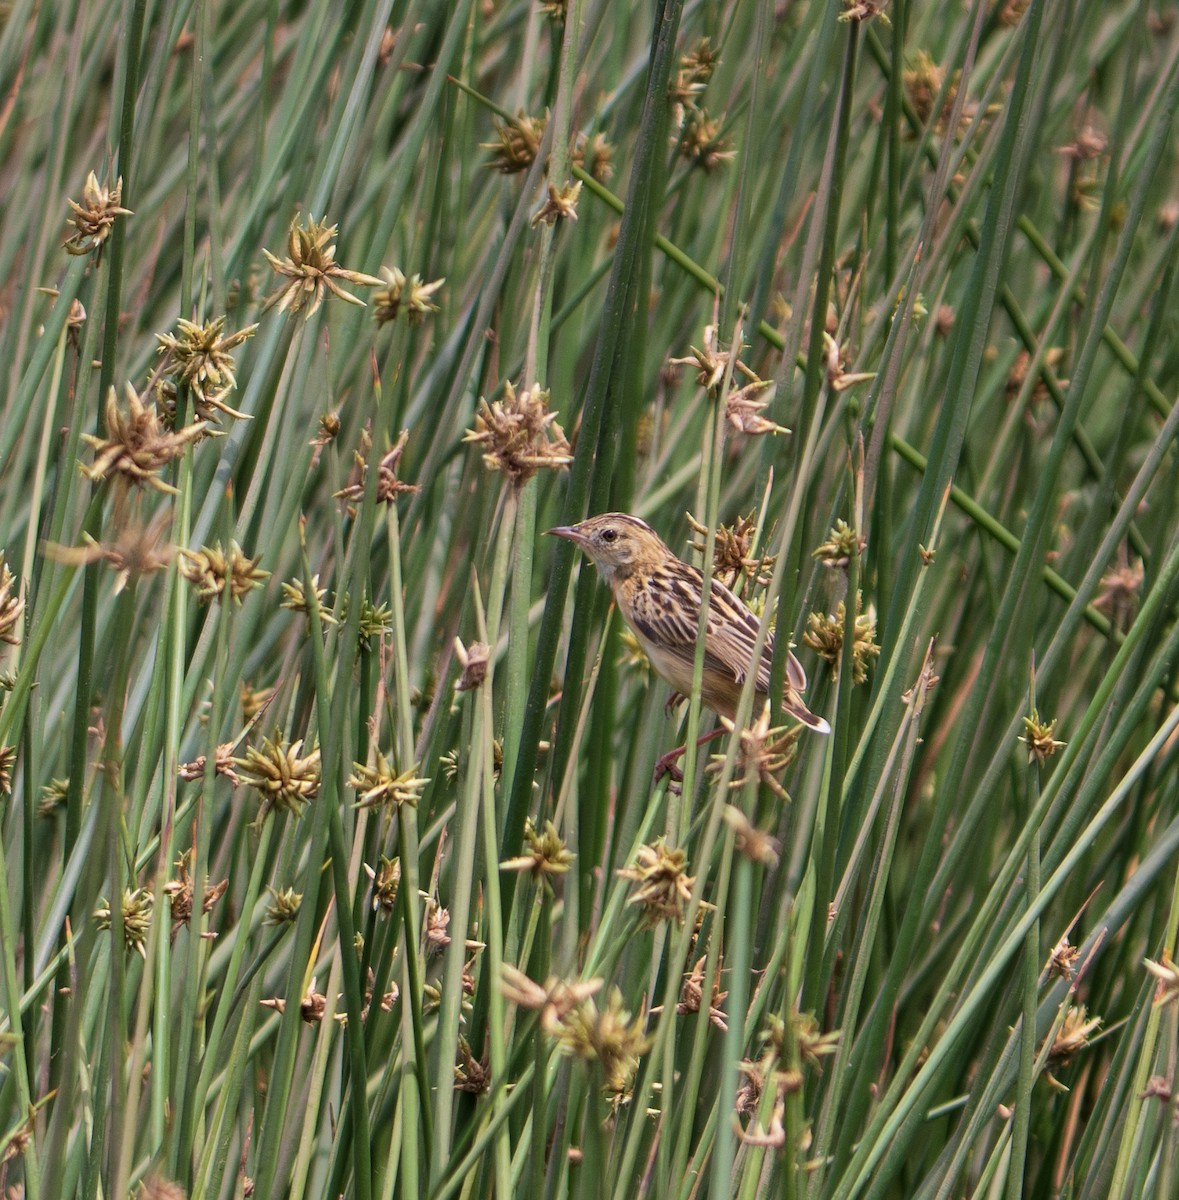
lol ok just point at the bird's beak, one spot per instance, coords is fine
(569, 532)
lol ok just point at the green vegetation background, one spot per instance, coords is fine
(256, 931)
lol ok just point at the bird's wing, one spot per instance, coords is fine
(669, 619)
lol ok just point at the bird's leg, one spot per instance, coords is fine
(667, 764)
(672, 700)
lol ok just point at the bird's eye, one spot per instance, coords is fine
(609, 535)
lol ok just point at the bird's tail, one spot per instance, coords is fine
(792, 703)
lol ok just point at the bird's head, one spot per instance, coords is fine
(616, 542)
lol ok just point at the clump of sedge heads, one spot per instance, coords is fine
(7, 762)
(136, 905)
(389, 487)
(824, 635)
(517, 141)
(294, 599)
(283, 907)
(1069, 1040)
(386, 880)
(310, 271)
(841, 545)
(520, 434)
(764, 753)
(743, 405)
(215, 572)
(94, 218)
(12, 606)
(199, 358)
(559, 205)
(663, 886)
(180, 892)
(403, 294)
(608, 1037)
(137, 444)
(1166, 976)
(382, 786)
(732, 552)
(286, 777)
(222, 765)
(545, 853)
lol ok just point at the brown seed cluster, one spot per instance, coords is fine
(94, 218)
(310, 272)
(519, 434)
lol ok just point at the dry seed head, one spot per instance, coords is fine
(692, 995)
(554, 1001)
(732, 552)
(137, 550)
(701, 142)
(1071, 1038)
(663, 885)
(471, 1074)
(474, 660)
(389, 487)
(516, 144)
(824, 635)
(156, 1187)
(311, 272)
(223, 765)
(137, 445)
(594, 155)
(560, 205)
(254, 700)
(201, 359)
(213, 571)
(53, 796)
(609, 1037)
(380, 786)
(764, 753)
(546, 853)
(404, 294)
(756, 844)
(386, 879)
(94, 218)
(180, 892)
(286, 777)
(520, 434)
(137, 904)
(1120, 592)
(12, 606)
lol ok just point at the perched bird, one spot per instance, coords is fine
(660, 598)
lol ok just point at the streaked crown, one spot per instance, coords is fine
(615, 541)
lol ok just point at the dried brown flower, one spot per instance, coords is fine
(1166, 975)
(223, 765)
(137, 550)
(311, 272)
(516, 144)
(701, 141)
(663, 885)
(474, 660)
(520, 434)
(7, 762)
(764, 753)
(732, 552)
(94, 218)
(137, 445)
(201, 359)
(559, 205)
(213, 571)
(386, 880)
(389, 487)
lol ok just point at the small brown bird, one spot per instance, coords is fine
(660, 598)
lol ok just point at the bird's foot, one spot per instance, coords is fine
(674, 699)
(667, 766)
